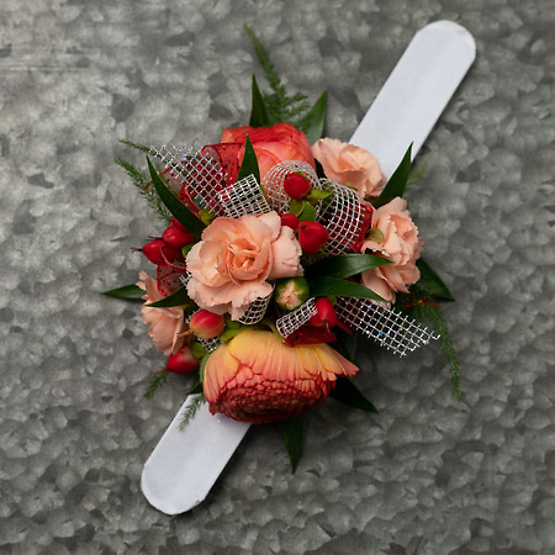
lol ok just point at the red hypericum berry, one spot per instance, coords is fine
(174, 237)
(325, 315)
(182, 362)
(312, 236)
(290, 220)
(296, 185)
(206, 325)
(153, 251)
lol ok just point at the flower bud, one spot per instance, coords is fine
(290, 220)
(175, 237)
(325, 314)
(291, 293)
(297, 185)
(153, 251)
(182, 362)
(312, 236)
(206, 325)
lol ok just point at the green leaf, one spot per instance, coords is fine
(183, 215)
(345, 265)
(395, 187)
(308, 212)
(130, 292)
(291, 431)
(430, 285)
(177, 298)
(250, 163)
(259, 113)
(142, 148)
(314, 121)
(346, 343)
(345, 391)
(326, 286)
(436, 317)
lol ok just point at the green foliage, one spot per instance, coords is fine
(183, 215)
(250, 163)
(130, 292)
(313, 122)
(328, 286)
(143, 183)
(346, 392)
(178, 298)
(342, 266)
(159, 379)
(259, 114)
(196, 401)
(279, 106)
(433, 314)
(395, 187)
(291, 431)
(430, 285)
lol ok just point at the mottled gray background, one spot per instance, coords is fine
(428, 475)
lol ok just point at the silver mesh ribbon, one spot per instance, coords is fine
(201, 172)
(275, 177)
(389, 327)
(256, 311)
(343, 216)
(210, 345)
(243, 197)
(292, 321)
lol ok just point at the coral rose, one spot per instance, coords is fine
(256, 378)
(231, 264)
(395, 236)
(166, 324)
(272, 145)
(350, 165)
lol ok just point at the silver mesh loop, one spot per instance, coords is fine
(243, 197)
(289, 323)
(389, 327)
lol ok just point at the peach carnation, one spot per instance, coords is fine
(166, 324)
(394, 236)
(257, 378)
(350, 165)
(231, 265)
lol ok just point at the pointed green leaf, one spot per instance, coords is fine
(259, 113)
(130, 292)
(183, 215)
(291, 431)
(177, 298)
(345, 391)
(345, 265)
(430, 285)
(395, 187)
(250, 163)
(314, 121)
(326, 286)
(346, 343)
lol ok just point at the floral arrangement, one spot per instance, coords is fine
(280, 247)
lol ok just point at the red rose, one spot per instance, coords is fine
(272, 145)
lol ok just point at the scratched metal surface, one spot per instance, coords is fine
(428, 475)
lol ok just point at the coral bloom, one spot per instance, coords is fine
(272, 145)
(166, 324)
(350, 165)
(397, 240)
(256, 378)
(231, 264)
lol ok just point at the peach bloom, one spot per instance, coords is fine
(271, 381)
(350, 165)
(166, 324)
(394, 236)
(272, 145)
(231, 265)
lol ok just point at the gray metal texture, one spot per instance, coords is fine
(426, 476)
